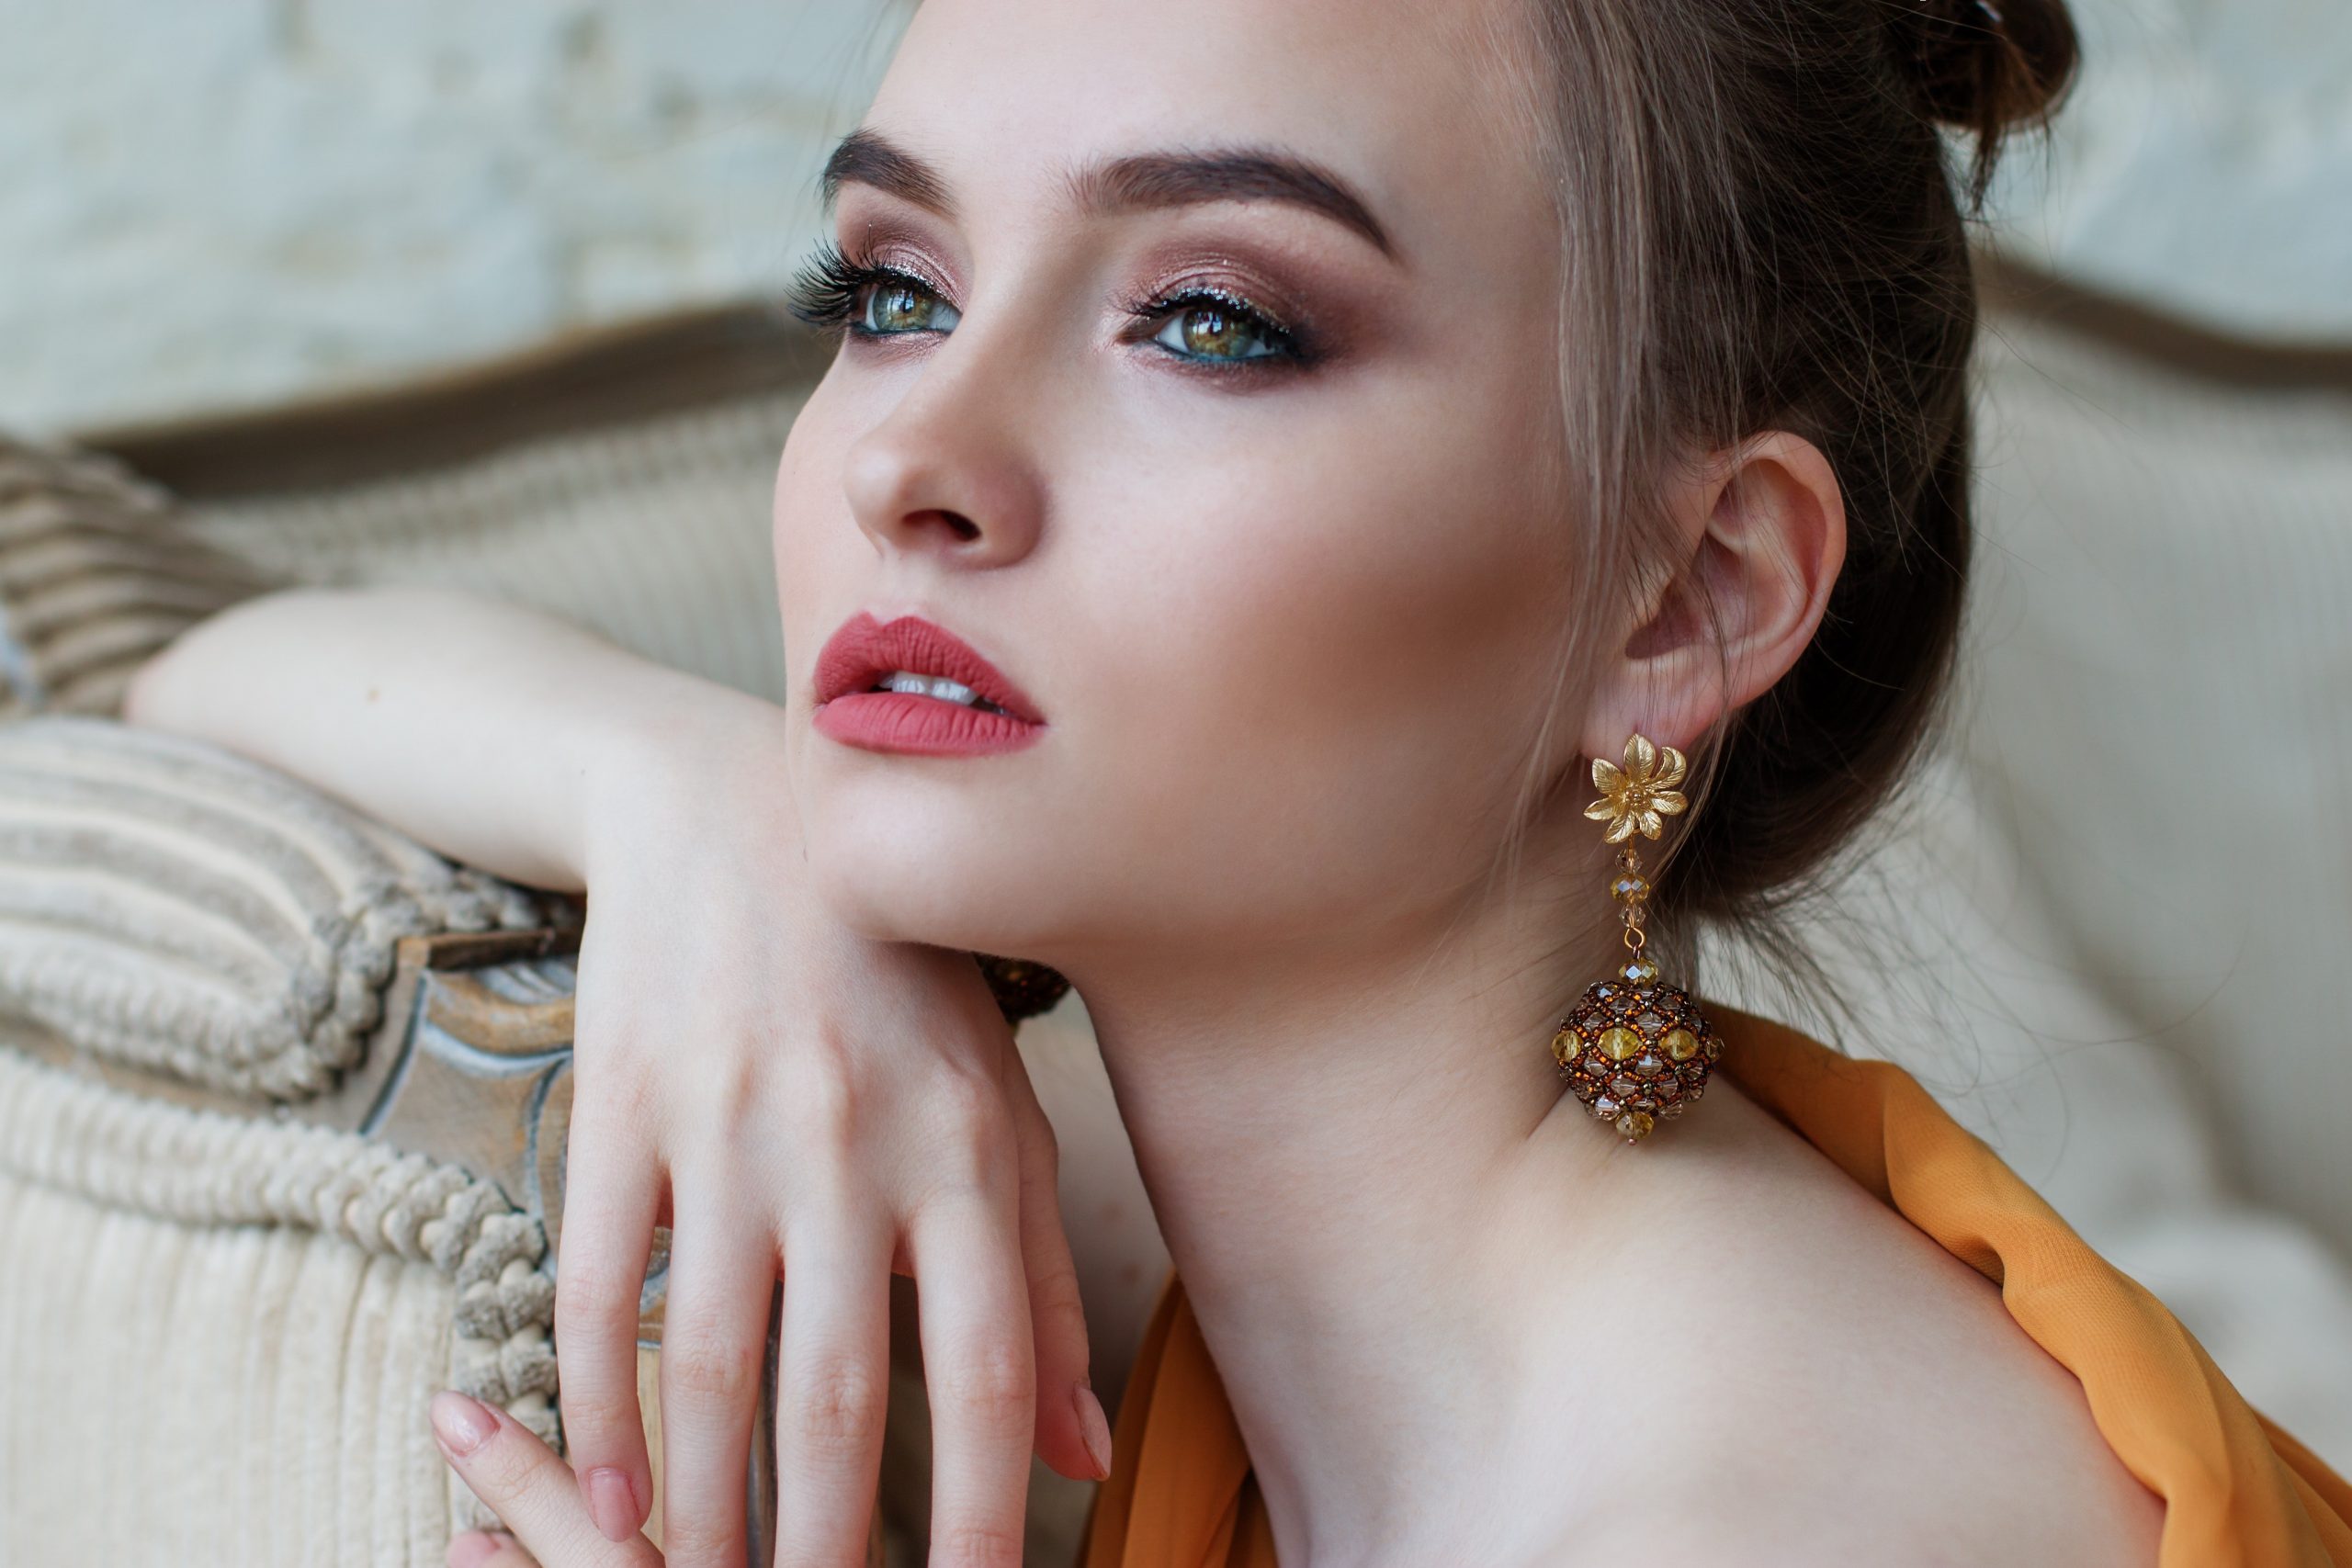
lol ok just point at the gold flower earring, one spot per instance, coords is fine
(1633, 1050)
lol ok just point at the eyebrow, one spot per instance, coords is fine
(1134, 182)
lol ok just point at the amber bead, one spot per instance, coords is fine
(1619, 1045)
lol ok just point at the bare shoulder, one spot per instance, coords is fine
(1865, 1396)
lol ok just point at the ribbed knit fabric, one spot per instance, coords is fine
(2239, 1493)
(95, 577)
(217, 1336)
(170, 906)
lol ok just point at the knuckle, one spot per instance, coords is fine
(595, 1416)
(834, 1404)
(977, 1544)
(972, 1146)
(1053, 1298)
(828, 1102)
(689, 1540)
(595, 1289)
(616, 1093)
(503, 1467)
(703, 1366)
(994, 1388)
(967, 1101)
(729, 1099)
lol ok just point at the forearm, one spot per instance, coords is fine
(480, 729)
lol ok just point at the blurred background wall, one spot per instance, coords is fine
(204, 205)
(236, 200)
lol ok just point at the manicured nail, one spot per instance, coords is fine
(612, 1503)
(1095, 1429)
(472, 1550)
(462, 1425)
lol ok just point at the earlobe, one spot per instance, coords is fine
(1763, 537)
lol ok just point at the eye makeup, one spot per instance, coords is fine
(830, 291)
(838, 291)
(1229, 313)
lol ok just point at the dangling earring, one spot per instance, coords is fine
(1634, 1050)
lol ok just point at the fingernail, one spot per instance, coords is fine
(612, 1503)
(461, 1424)
(1094, 1428)
(472, 1550)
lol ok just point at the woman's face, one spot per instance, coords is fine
(1235, 470)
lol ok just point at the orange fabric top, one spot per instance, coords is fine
(2239, 1493)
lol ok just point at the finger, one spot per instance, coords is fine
(714, 1351)
(611, 1189)
(979, 1362)
(489, 1548)
(1072, 1434)
(507, 1556)
(531, 1490)
(832, 1390)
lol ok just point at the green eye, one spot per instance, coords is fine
(896, 305)
(1212, 328)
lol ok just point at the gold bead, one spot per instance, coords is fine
(1641, 971)
(1635, 1124)
(1566, 1046)
(1619, 1045)
(1630, 889)
(1681, 1045)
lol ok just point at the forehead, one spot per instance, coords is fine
(1420, 106)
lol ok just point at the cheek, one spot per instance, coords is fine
(822, 559)
(1294, 660)
(1330, 655)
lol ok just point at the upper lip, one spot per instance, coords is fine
(865, 649)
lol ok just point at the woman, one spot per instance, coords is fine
(1274, 449)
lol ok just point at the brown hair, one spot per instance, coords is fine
(1785, 249)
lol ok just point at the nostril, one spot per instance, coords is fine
(962, 529)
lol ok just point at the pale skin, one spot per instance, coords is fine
(1291, 626)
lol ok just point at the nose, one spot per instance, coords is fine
(945, 473)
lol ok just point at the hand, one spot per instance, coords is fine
(792, 1098)
(530, 1490)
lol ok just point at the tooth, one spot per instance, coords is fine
(954, 691)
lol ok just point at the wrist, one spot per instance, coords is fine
(672, 754)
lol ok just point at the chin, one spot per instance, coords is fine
(894, 873)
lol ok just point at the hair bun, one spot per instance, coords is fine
(1986, 66)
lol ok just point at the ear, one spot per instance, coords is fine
(1761, 534)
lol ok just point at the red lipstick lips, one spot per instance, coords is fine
(850, 709)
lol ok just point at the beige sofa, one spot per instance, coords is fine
(282, 1095)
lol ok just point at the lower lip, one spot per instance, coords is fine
(921, 726)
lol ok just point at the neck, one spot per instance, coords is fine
(1382, 1201)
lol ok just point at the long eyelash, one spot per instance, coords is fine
(1291, 348)
(823, 291)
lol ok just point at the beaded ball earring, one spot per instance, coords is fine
(1636, 1051)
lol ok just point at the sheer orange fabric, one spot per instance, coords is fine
(2239, 1493)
